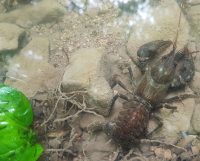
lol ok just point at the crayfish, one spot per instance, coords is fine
(171, 72)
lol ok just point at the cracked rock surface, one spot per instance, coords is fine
(84, 72)
(10, 37)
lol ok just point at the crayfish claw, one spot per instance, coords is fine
(149, 50)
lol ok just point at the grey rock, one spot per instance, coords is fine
(85, 72)
(33, 14)
(55, 143)
(29, 71)
(195, 85)
(86, 119)
(100, 95)
(98, 148)
(192, 12)
(84, 65)
(179, 120)
(195, 120)
(11, 5)
(11, 36)
(197, 56)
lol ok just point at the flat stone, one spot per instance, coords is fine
(85, 72)
(195, 85)
(29, 71)
(55, 143)
(162, 153)
(100, 95)
(98, 148)
(195, 120)
(177, 121)
(10, 35)
(161, 24)
(85, 120)
(197, 57)
(84, 65)
(33, 14)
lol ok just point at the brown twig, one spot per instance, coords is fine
(60, 150)
(70, 97)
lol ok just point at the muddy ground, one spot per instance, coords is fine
(39, 65)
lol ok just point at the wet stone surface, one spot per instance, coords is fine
(44, 11)
(10, 41)
(84, 72)
(192, 10)
(31, 63)
(195, 121)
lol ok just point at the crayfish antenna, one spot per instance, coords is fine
(193, 52)
(176, 37)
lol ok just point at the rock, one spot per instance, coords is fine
(10, 4)
(195, 150)
(197, 57)
(55, 143)
(85, 72)
(195, 86)
(192, 12)
(100, 95)
(177, 121)
(86, 119)
(161, 24)
(33, 14)
(162, 153)
(98, 148)
(29, 71)
(84, 65)
(195, 120)
(11, 37)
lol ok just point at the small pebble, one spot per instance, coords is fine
(195, 150)
(167, 154)
(54, 143)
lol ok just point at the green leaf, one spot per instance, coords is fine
(17, 140)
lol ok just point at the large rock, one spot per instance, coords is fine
(160, 23)
(30, 15)
(10, 37)
(85, 72)
(29, 71)
(84, 65)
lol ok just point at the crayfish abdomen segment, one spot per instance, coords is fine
(131, 126)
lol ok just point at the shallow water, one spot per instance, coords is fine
(47, 33)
